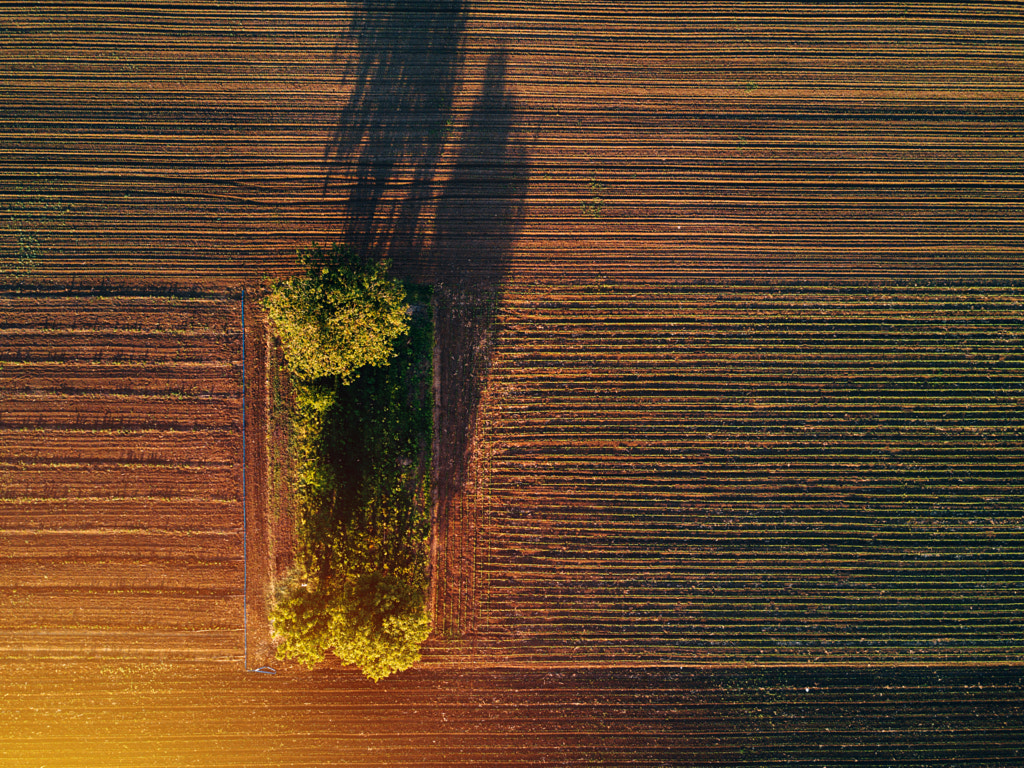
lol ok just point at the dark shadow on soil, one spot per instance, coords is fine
(480, 209)
(401, 62)
(438, 191)
(479, 215)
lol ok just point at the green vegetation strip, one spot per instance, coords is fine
(359, 349)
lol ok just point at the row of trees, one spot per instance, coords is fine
(361, 434)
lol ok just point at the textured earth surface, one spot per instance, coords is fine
(729, 374)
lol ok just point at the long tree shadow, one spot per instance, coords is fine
(427, 166)
(478, 218)
(401, 62)
(480, 209)
(439, 192)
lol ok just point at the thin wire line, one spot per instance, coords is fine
(245, 520)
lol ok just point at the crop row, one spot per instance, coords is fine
(70, 480)
(118, 313)
(143, 446)
(119, 446)
(107, 512)
(48, 608)
(111, 568)
(107, 644)
(135, 378)
(106, 412)
(731, 473)
(105, 346)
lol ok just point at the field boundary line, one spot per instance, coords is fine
(245, 520)
(265, 670)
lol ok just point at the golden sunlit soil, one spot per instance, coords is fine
(728, 310)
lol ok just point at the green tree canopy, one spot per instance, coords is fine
(376, 621)
(344, 313)
(379, 624)
(300, 619)
(363, 464)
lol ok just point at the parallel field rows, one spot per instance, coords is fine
(159, 714)
(733, 473)
(698, 483)
(120, 524)
(210, 143)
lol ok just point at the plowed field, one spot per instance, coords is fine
(728, 373)
(200, 715)
(184, 142)
(732, 473)
(120, 457)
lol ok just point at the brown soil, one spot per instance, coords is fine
(132, 715)
(121, 502)
(283, 508)
(258, 533)
(464, 318)
(749, 393)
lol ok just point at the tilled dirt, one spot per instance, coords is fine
(121, 517)
(728, 365)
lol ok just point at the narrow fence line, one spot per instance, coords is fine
(245, 520)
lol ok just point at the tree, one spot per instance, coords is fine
(379, 624)
(343, 314)
(376, 621)
(362, 594)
